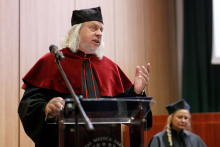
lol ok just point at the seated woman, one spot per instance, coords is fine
(175, 134)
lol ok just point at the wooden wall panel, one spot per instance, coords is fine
(130, 35)
(136, 32)
(107, 9)
(161, 52)
(9, 75)
(42, 23)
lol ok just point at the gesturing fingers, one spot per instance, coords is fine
(145, 74)
(145, 71)
(148, 67)
(137, 73)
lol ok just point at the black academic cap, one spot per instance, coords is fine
(84, 15)
(182, 104)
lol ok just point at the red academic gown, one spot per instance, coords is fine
(45, 74)
(44, 82)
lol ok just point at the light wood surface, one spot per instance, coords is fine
(129, 36)
(42, 23)
(9, 74)
(161, 52)
(136, 32)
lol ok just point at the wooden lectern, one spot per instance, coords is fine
(107, 115)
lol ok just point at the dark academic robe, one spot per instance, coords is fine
(44, 82)
(185, 139)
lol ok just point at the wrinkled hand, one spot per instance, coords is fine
(53, 109)
(141, 78)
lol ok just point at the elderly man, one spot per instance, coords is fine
(91, 75)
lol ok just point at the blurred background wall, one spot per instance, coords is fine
(136, 33)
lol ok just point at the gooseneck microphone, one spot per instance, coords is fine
(77, 104)
(56, 52)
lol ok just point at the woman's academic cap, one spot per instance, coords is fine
(182, 104)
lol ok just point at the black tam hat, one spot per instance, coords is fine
(182, 104)
(84, 15)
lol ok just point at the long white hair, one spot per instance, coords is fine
(72, 40)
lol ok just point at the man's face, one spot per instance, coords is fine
(180, 119)
(90, 35)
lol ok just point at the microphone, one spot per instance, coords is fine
(57, 53)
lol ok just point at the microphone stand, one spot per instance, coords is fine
(77, 106)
